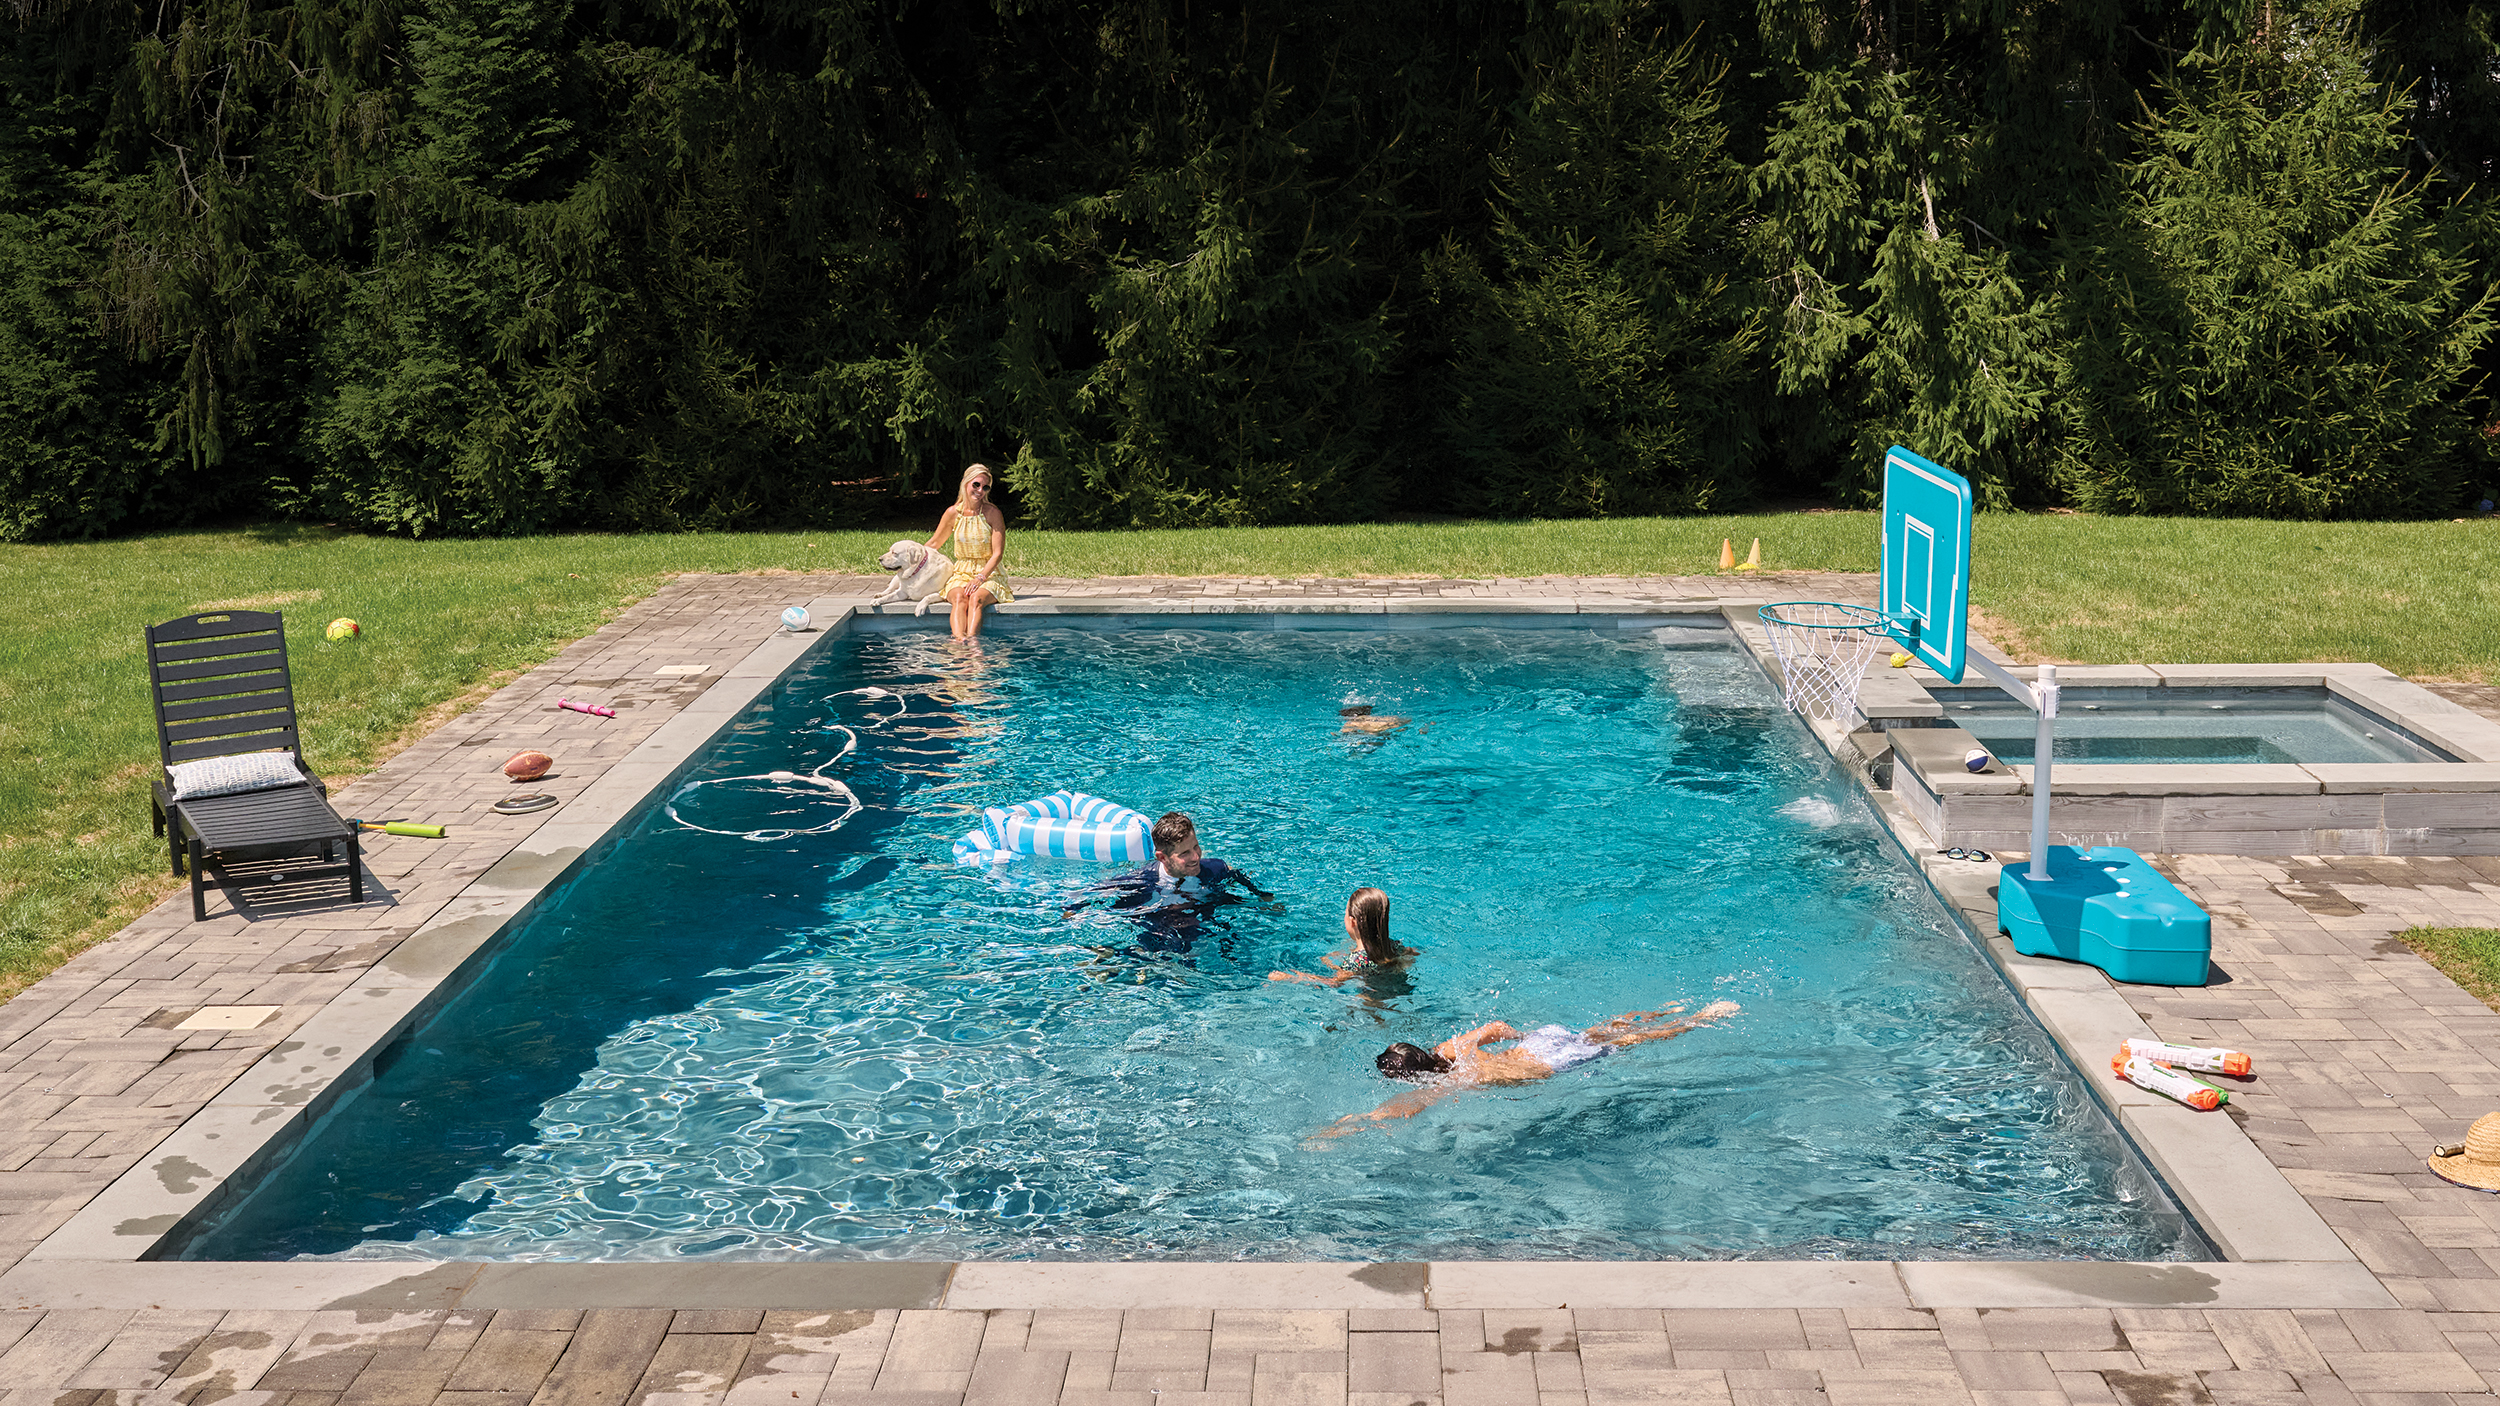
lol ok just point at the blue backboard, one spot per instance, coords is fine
(1926, 583)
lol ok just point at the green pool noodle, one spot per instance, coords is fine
(402, 827)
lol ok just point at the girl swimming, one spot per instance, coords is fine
(1368, 948)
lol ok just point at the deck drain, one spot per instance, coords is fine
(227, 1018)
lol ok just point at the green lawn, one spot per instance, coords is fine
(446, 621)
(2470, 956)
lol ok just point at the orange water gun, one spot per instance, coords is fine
(2169, 1083)
(2214, 1060)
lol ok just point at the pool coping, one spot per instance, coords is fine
(2283, 1255)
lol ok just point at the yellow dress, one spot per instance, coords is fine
(972, 550)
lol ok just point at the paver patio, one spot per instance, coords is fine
(2366, 1056)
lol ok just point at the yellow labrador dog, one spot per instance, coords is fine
(920, 573)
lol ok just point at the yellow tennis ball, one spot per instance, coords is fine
(1900, 661)
(343, 629)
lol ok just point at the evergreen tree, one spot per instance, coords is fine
(1607, 363)
(2270, 319)
(79, 450)
(438, 266)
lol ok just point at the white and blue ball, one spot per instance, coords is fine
(1976, 759)
(795, 618)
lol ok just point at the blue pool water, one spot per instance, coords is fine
(831, 1045)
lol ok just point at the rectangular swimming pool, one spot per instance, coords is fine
(2188, 726)
(763, 1026)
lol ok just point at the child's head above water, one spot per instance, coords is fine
(1176, 845)
(1367, 924)
(1405, 1061)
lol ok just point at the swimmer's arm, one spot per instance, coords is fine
(1341, 978)
(1115, 890)
(1477, 1038)
(1245, 883)
(1405, 1105)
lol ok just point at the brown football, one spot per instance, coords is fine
(528, 766)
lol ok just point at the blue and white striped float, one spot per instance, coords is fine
(1062, 825)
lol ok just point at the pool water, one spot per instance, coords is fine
(845, 1045)
(2193, 726)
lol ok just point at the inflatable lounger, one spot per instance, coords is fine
(1062, 825)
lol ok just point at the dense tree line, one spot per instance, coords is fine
(498, 266)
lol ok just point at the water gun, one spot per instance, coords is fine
(399, 827)
(595, 709)
(2214, 1060)
(2168, 1082)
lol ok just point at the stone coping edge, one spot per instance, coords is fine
(377, 1285)
(102, 1256)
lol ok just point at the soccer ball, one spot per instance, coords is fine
(343, 629)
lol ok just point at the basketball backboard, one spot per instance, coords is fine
(1926, 580)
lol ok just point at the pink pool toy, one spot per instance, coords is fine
(596, 709)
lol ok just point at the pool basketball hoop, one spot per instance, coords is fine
(1823, 648)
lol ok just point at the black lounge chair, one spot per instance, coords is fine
(222, 689)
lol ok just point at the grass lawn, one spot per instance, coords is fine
(2470, 957)
(448, 621)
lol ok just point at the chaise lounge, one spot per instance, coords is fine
(233, 784)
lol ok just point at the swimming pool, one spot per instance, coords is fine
(2189, 726)
(844, 1045)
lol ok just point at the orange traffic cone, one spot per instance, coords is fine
(1753, 559)
(1727, 554)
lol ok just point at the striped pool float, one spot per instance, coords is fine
(1062, 825)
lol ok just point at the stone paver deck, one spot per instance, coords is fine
(2365, 1054)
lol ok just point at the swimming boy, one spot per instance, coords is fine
(1359, 719)
(1463, 1062)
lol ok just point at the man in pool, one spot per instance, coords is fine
(1171, 895)
(1463, 1062)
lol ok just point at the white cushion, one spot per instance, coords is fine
(226, 776)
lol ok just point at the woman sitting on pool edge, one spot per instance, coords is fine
(1463, 1062)
(1368, 948)
(980, 533)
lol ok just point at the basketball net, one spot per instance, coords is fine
(1823, 649)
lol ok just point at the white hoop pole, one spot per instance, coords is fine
(2040, 699)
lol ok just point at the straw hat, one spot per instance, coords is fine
(2476, 1161)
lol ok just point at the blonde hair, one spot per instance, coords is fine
(1369, 908)
(964, 483)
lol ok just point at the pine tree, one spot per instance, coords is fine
(80, 455)
(2270, 319)
(1606, 363)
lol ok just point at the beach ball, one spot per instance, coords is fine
(343, 629)
(795, 618)
(528, 765)
(1976, 759)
